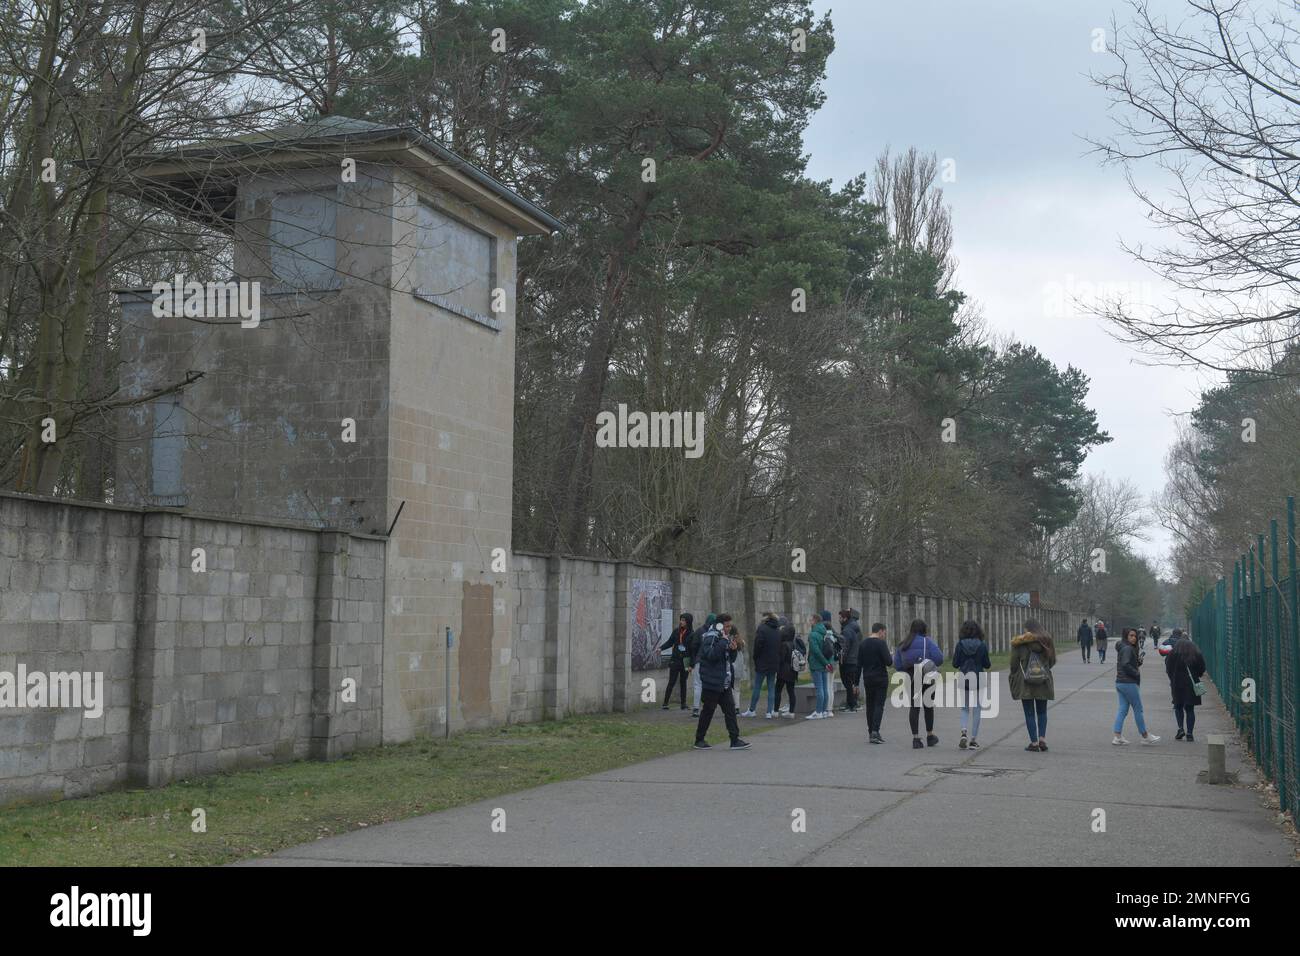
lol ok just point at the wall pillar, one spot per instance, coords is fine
(155, 707)
(555, 657)
(621, 655)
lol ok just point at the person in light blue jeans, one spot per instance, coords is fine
(1128, 681)
(971, 659)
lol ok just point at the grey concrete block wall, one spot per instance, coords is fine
(237, 665)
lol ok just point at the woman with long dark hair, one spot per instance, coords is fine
(1185, 666)
(1128, 685)
(970, 659)
(917, 655)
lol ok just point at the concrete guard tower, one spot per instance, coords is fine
(385, 269)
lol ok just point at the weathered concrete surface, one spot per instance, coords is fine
(871, 805)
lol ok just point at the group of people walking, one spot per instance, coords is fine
(707, 656)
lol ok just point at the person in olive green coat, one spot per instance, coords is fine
(1033, 655)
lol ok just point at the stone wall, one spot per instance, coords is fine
(276, 649)
(242, 663)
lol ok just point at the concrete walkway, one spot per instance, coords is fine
(873, 805)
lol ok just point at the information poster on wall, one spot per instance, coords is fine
(651, 619)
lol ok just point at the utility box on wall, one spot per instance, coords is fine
(377, 374)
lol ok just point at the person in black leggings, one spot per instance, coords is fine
(785, 673)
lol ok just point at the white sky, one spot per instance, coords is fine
(1001, 87)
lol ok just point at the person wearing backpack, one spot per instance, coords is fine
(718, 649)
(850, 642)
(916, 656)
(1128, 685)
(970, 658)
(678, 640)
(793, 658)
(873, 665)
(767, 659)
(1101, 637)
(833, 656)
(1033, 655)
(821, 654)
(1085, 641)
(692, 658)
(1185, 666)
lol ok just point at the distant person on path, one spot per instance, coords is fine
(1085, 641)
(678, 640)
(1185, 666)
(1128, 680)
(1142, 640)
(718, 649)
(692, 660)
(873, 665)
(850, 642)
(1155, 633)
(767, 660)
(916, 655)
(1101, 637)
(971, 659)
(787, 674)
(1033, 655)
(821, 653)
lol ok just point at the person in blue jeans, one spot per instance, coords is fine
(970, 659)
(1128, 682)
(1029, 675)
(820, 666)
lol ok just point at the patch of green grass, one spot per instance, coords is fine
(256, 812)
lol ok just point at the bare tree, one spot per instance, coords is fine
(1213, 102)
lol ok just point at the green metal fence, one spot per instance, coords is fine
(1250, 635)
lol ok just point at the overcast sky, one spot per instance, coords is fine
(1002, 88)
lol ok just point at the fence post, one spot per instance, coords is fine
(1277, 748)
(1295, 651)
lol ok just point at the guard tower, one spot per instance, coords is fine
(378, 375)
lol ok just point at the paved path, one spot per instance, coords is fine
(871, 805)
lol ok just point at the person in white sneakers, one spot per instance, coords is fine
(821, 654)
(767, 660)
(1128, 682)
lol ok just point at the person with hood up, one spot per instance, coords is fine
(1101, 637)
(916, 656)
(821, 664)
(970, 658)
(1033, 655)
(719, 646)
(1185, 666)
(850, 642)
(786, 675)
(1085, 641)
(678, 640)
(767, 661)
(1128, 685)
(692, 659)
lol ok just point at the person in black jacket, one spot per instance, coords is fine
(767, 660)
(719, 646)
(1184, 666)
(692, 660)
(1101, 637)
(786, 675)
(873, 664)
(850, 644)
(1128, 680)
(1085, 641)
(678, 640)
